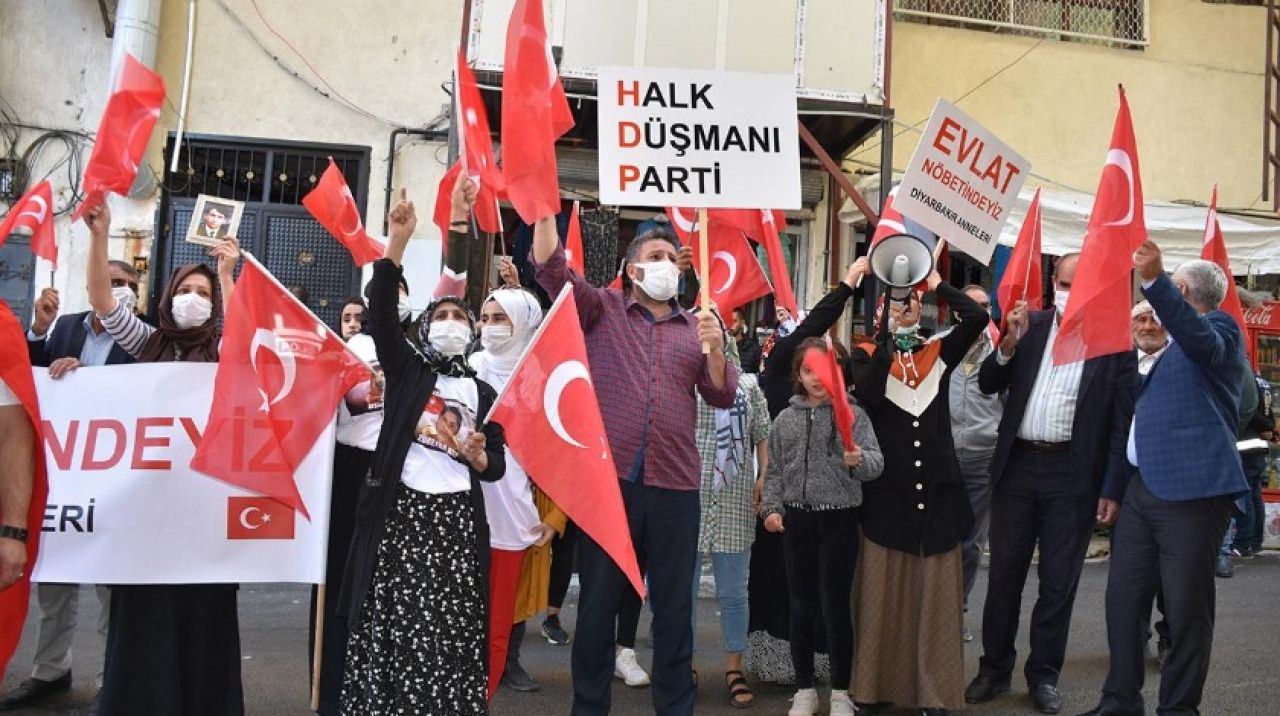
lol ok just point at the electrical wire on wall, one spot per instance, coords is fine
(71, 143)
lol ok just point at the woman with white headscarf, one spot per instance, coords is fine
(521, 521)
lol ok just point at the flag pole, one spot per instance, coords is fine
(317, 656)
(704, 283)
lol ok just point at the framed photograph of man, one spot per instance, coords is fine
(214, 219)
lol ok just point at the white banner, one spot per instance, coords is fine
(700, 138)
(123, 506)
(962, 182)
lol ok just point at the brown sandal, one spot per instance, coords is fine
(740, 695)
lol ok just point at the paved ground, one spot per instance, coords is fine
(1245, 678)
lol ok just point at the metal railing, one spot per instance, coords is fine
(1119, 23)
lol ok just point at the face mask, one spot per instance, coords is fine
(402, 308)
(660, 279)
(125, 296)
(449, 337)
(496, 339)
(1060, 300)
(787, 326)
(191, 310)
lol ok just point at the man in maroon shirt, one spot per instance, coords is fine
(646, 361)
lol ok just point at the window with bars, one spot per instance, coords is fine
(1119, 23)
(254, 172)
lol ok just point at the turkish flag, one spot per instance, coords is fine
(783, 295)
(123, 134)
(475, 149)
(332, 204)
(34, 211)
(15, 371)
(683, 222)
(551, 417)
(258, 518)
(1215, 250)
(1022, 280)
(573, 250)
(485, 209)
(736, 277)
(759, 225)
(891, 220)
(279, 380)
(827, 367)
(535, 113)
(1096, 321)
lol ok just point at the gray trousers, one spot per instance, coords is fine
(58, 605)
(977, 481)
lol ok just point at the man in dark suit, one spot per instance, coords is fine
(1182, 446)
(1058, 466)
(75, 340)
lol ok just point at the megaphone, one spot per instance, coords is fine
(901, 261)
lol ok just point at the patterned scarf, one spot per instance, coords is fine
(731, 440)
(437, 362)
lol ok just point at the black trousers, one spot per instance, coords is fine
(562, 551)
(1035, 502)
(1172, 545)
(664, 525)
(821, 550)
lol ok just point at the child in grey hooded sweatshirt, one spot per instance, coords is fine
(811, 493)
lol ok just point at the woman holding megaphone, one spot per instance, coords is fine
(915, 517)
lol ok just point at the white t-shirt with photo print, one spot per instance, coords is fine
(434, 465)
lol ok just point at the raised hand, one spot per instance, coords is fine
(46, 311)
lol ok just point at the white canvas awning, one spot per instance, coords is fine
(1253, 242)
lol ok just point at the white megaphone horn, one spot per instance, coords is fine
(901, 261)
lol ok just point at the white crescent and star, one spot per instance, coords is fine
(349, 208)
(139, 120)
(44, 209)
(732, 263)
(685, 225)
(1119, 158)
(560, 378)
(263, 338)
(244, 518)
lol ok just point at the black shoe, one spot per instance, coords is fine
(933, 712)
(1223, 570)
(871, 709)
(983, 688)
(1046, 698)
(33, 691)
(554, 633)
(517, 679)
(1163, 647)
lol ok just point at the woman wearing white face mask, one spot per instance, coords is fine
(414, 588)
(171, 648)
(522, 520)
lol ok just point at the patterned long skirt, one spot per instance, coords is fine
(419, 647)
(910, 622)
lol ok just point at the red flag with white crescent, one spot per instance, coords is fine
(485, 209)
(736, 277)
(34, 211)
(475, 143)
(281, 373)
(535, 113)
(332, 204)
(1022, 280)
(123, 134)
(1096, 321)
(15, 371)
(551, 416)
(1215, 250)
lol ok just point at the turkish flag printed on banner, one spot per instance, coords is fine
(827, 366)
(485, 208)
(279, 380)
(535, 113)
(15, 371)
(551, 416)
(1215, 250)
(1022, 280)
(123, 134)
(736, 277)
(1096, 321)
(258, 518)
(34, 211)
(573, 250)
(475, 144)
(332, 204)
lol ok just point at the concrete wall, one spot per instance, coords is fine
(1196, 96)
(389, 58)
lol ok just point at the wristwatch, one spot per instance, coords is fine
(18, 533)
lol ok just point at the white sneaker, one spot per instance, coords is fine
(804, 703)
(841, 704)
(626, 667)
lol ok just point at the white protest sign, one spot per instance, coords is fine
(962, 182)
(701, 138)
(125, 508)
